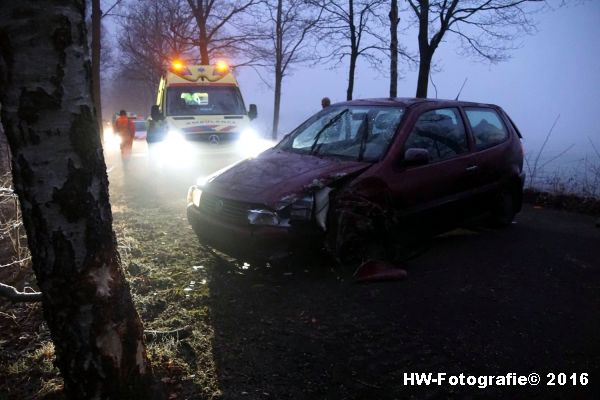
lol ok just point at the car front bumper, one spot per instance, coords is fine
(249, 241)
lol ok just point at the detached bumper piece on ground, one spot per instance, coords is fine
(378, 271)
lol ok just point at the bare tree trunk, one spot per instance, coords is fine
(278, 68)
(351, 72)
(353, 51)
(425, 55)
(423, 78)
(60, 178)
(96, 51)
(394, 48)
(276, 106)
(203, 45)
(201, 16)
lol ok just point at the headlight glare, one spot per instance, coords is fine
(175, 136)
(248, 135)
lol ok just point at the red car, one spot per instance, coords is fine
(357, 171)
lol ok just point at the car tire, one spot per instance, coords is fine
(506, 206)
(347, 244)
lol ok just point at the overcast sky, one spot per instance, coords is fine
(556, 71)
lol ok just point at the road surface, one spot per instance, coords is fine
(476, 302)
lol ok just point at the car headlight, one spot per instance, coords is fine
(302, 209)
(262, 217)
(193, 196)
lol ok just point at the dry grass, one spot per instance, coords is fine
(158, 259)
(15, 260)
(168, 275)
(32, 373)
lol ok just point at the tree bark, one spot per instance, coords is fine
(60, 177)
(353, 51)
(351, 72)
(425, 54)
(423, 78)
(278, 68)
(203, 45)
(201, 16)
(276, 106)
(96, 51)
(394, 48)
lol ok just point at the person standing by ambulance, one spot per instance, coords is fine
(126, 130)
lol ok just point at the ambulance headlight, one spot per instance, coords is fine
(248, 135)
(251, 144)
(175, 135)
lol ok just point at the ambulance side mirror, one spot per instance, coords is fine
(252, 112)
(155, 113)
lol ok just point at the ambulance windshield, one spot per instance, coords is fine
(204, 100)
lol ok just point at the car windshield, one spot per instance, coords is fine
(361, 133)
(204, 100)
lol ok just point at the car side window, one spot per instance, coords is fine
(487, 127)
(441, 132)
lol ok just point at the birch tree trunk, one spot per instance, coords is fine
(96, 54)
(60, 177)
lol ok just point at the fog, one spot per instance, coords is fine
(554, 71)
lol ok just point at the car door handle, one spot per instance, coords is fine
(472, 168)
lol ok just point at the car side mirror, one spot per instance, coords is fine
(155, 113)
(416, 156)
(252, 112)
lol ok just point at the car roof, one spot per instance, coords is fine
(410, 101)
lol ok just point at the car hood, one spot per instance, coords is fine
(276, 176)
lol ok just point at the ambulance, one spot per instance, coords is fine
(201, 102)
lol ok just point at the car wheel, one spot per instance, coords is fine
(506, 207)
(351, 238)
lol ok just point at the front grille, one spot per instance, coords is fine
(224, 209)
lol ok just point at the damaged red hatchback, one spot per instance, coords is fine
(357, 171)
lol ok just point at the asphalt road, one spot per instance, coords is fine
(477, 301)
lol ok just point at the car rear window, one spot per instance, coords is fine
(487, 127)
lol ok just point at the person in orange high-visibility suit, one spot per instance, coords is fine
(126, 130)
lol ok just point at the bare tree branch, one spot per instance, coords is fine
(12, 294)
(346, 28)
(283, 29)
(486, 28)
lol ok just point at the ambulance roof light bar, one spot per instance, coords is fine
(177, 65)
(222, 67)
